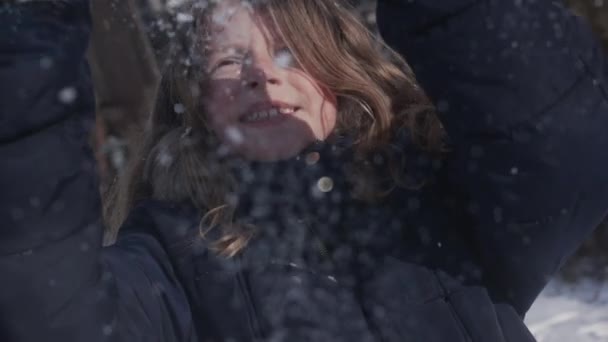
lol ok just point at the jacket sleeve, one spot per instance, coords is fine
(58, 284)
(521, 89)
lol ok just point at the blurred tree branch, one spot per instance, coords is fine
(596, 12)
(125, 76)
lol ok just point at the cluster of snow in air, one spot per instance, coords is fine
(560, 314)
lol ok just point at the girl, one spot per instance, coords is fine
(291, 184)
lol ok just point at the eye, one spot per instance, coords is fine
(226, 65)
(227, 62)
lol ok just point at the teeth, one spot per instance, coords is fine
(251, 117)
(266, 114)
(286, 110)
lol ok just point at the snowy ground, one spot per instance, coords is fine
(571, 313)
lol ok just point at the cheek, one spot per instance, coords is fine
(325, 103)
(210, 105)
(220, 96)
(219, 105)
(331, 102)
(329, 117)
(319, 99)
(328, 114)
(216, 121)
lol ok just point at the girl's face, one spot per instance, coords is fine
(258, 102)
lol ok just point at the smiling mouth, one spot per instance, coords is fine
(272, 114)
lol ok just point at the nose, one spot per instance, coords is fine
(261, 73)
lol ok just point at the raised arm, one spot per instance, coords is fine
(521, 90)
(57, 282)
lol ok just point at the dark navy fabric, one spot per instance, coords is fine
(520, 86)
(521, 89)
(57, 282)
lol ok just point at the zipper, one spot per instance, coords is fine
(318, 243)
(285, 264)
(321, 247)
(445, 296)
(252, 313)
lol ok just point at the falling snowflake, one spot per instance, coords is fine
(283, 59)
(179, 108)
(164, 158)
(67, 95)
(184, 18)
(234, 135)
(325, 184)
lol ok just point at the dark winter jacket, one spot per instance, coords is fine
(521, 90)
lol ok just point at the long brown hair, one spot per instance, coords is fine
(377, 94)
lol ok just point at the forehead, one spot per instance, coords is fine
(236, 23)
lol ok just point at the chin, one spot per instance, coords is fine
(269, 156)
(272, 149)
